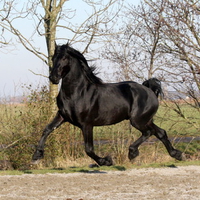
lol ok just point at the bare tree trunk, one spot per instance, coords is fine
(53, 92)
(51, 14)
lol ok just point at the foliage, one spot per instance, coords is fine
(21, 125)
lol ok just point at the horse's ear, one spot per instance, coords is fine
(68, 44)
(55, 45)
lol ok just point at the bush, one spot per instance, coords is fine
(21, 128)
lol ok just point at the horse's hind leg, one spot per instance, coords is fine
(133, 148)
(89, 147)
(152, 129)
(39, 153)
(162, 136)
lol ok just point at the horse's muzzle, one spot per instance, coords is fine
(54, 80)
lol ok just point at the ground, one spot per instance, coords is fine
(171, 183)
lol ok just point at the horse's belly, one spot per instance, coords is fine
(109, 118)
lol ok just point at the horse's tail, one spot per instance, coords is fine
(154, 84)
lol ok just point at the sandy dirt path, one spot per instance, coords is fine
(181, 183)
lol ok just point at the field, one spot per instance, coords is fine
(171, 183)
(63, 174)
(21, 127)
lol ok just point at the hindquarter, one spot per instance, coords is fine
(144, 107)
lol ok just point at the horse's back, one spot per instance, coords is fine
(137, 98)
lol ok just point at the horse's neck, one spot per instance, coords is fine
(74, 83)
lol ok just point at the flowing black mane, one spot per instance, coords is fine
(87, 70)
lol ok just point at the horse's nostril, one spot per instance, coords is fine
(54, 80)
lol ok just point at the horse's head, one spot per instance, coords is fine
(61, 60)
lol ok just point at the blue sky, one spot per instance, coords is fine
(17, 64)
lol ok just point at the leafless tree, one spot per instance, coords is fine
(51, 16)
(136, 52)
(180, 26)
(161, 38)
(4, 27)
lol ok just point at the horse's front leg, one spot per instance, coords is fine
(89, 147)
(39, 153)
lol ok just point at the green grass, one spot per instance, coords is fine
(174, 124)
(102, 169)
(64, 170)
(170, 164)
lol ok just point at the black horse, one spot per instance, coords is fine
(85, 101)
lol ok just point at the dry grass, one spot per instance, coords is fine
(21, 127)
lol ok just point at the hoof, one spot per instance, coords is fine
(133, 154)
(107, 161)
(178, 155)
